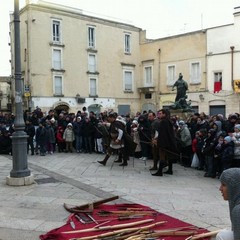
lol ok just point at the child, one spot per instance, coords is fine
(69, 137)
(60, 140)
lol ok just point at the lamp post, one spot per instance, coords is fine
(20, 174)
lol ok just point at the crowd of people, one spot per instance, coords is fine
(207, 143)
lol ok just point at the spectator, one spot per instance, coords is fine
(69, 137)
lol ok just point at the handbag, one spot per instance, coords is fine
(195, 161)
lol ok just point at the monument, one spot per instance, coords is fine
(181, 106)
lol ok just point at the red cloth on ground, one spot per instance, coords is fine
(57, 234)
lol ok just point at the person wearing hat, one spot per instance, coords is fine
(185, 138)
(230, 189)
(69, 137)
(236, 140)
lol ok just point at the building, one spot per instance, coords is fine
(70, 60)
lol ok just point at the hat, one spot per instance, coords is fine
(237, 126)
(135, 122)
(181, 122)
(69, 125)
(228, 139)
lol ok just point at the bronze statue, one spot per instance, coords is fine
(181, 97)
(182, 87)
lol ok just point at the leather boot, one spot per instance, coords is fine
(159, 171)
(104, 161)
(169, 171)
(124, 162)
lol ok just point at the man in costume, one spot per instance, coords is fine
(166, 142)
(116, 131)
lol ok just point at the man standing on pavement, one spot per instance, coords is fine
(116, 131)
(166, 142)
(154, 134)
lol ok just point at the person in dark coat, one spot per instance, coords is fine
(30, 131)
(88, 131)
(5, 143)
(166, 142)
(78, 131)
(227, 153)
(41, 139)
(144, 131)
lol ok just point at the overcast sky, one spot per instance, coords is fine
(159, 18)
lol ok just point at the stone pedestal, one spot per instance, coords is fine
(180, 113)
(22, 181)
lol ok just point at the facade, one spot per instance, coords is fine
(167, 57)
(70, 60)
(5, 94)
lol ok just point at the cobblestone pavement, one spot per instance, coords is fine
(75, 179)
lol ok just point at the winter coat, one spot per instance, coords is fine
(41, 135)
(78, 128)
(227, 155)
(68, 135)
(236, 140)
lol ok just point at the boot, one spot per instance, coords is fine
(169, 171)
(104, 161)
(124, 162)
(159, 171)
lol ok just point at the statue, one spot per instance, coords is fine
(181, 97)
(182, 87)
(182, 104)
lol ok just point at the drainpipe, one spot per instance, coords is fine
(232, 51)
(158, 81)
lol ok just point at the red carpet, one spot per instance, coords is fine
(171, 223)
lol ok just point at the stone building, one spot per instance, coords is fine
(70, 60)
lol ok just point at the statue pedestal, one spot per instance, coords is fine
(180, 113)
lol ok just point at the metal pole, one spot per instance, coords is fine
(19, 137)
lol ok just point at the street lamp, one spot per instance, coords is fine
(20, 174)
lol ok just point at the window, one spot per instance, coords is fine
(93, 87)
(128, 81)
(58, 85)
(148, 76)
(127, 43)
(56, 31)
(217, 82)
(195, 73)
(92, 63)
(171, 73)
(57, 56)
(91, 37)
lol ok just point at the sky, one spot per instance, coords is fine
(160, 18)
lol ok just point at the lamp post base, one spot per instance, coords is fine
(22, 181)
